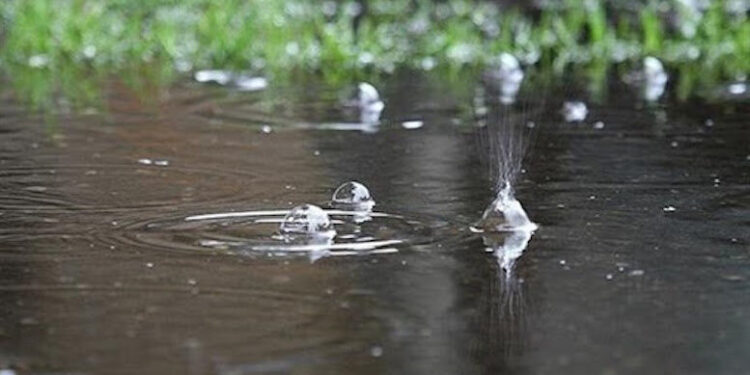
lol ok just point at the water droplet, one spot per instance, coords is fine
(575, 111)
(598, 125)
(415, 124)
(266, 129)
(504, 214)
(609, 276)
(369, 103)
(669, 209)
(221, 77)
(636, 273)
(353, 196)
(376, 351)
(737, 88)
(307, 220)
(248, 83)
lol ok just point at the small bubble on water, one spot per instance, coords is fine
(150, 265)
(598, 125)
(575, 111)
(415, 124)
(353, 195)
(637, 273)
(669, 209)
(306, 219)
(531, 124)
(674, 144)
(218, 76)
(738, 88)
(709, 122)
(248, 83)
(609, 276)
(161, 163)
(266, 129)
(562, 262)
(145, 161)
(376, 351)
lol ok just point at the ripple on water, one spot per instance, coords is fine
(117, 188)
(255, 234)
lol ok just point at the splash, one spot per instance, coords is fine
(504, 224)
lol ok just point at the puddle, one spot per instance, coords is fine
(151, 233)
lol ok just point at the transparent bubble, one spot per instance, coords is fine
(367, 94)
(575, 111)
(353, 196)
(504, 214)
(307, 220)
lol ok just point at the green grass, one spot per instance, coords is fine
(53, 48)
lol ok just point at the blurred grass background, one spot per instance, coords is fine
(66, 46)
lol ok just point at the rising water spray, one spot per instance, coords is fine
(504, 224)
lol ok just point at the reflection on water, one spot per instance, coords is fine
(100, 272)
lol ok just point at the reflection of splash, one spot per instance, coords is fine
(507, 247)
(504, 309)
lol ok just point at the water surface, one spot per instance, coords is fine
(641, 263)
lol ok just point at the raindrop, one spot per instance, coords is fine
(352, 196)
(575, 111)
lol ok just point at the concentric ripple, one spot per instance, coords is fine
(117, 187)
(255, 233)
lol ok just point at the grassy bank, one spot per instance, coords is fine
(71, 41)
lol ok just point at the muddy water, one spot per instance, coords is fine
(641, 263)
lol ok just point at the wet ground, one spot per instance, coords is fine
(641, 263)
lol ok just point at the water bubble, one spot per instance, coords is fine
(367, 94)
(353, 196)
(654, 79)
(413, 124)
(221, 77)
(369, 103)
(249, 83)
(574, 111)
(307, 220)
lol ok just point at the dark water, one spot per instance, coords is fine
(95, 279)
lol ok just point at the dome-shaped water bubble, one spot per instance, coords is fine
(654, 79)
(368, 99)
(307, 220)
(353, 196)
(574, 111)
(504, 214)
